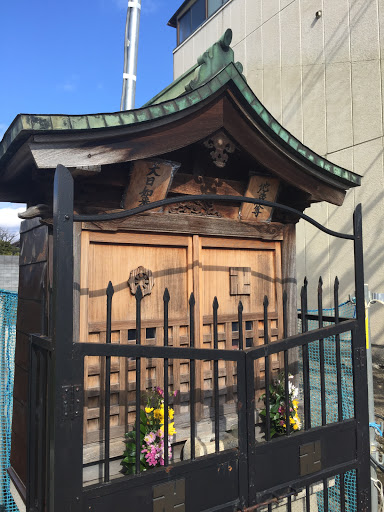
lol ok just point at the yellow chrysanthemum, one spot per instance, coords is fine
(148, 410)
(171, 429)
(158, 414)
(295, 404)
(171, 414)
(295, 427)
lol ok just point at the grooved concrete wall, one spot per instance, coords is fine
(9, 273)
(322, 78)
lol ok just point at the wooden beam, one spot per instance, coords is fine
(184, 224)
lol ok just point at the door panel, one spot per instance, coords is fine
(112, 258)
(231, 269)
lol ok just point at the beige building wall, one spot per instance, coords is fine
(322, 78)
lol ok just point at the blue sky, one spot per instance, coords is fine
(67, 57)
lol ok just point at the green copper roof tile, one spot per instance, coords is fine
(257, 106)
(113, 119)
(143, 115)
(60, 123)
(41, 122)
(96, 121)
(194, 97)
(248, 94)
(156, 111)
(266, 117)
(171, 107)
(215, 84)
(223, 76)
(79, 122)
(241, 85)
(183, 102)
(127, 117)
(232, 71)
(284, 135)
(275, 127)
(204, 92)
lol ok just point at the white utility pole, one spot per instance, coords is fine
(131, 46)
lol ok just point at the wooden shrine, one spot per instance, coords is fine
(205, 134)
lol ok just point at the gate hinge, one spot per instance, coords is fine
(71, 401)
(360, 358)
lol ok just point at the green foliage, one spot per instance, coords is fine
(277, 407)
(7, 249)
(129, 461)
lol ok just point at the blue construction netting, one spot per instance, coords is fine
(8, 312)
(346, 310)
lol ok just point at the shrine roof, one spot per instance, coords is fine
(214, 71)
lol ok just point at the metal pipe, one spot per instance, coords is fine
(131, 46)
(371, 401)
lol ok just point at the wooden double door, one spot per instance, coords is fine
(227, 268)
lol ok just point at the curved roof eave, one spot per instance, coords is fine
(25, 125)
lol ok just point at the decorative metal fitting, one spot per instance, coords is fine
(319, 14)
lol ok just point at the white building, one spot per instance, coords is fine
(317, 66)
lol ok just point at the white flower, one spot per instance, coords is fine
(293, 390)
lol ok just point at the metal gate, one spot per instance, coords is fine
(312, 469)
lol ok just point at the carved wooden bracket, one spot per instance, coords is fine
(142, 277)
(221, 146)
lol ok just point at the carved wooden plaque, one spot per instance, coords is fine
(260, 187)
(142, 277)
(240, 280)
(149, 182)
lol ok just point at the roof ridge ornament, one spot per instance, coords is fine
(213, 60)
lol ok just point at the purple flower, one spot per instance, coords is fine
(159, 391)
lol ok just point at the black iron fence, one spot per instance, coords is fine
(234, 479)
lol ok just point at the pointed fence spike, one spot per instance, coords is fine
(266, 301)
(139, 293)
(110, 289)
(215, 303)
(320, 282)
(166, 296)
(305, 282)
(192, 301)
(337, 282)
(241, 307)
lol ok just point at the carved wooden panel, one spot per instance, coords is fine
(221, 147)
(149, 182)
(260, 187)
(142, 277)
(240, 280)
